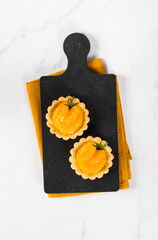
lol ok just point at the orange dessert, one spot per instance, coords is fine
(91, 158)
(67, 118)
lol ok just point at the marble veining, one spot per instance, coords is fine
(83, 234)
(124, 34)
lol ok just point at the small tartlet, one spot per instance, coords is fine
(64, 122)
(94, 167)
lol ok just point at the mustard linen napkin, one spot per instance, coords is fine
(96, 66)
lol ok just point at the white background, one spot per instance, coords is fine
(125, 35)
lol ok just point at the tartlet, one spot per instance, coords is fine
(91, 158)
(67, 117)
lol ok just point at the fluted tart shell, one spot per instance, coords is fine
(87, 161)
(67, 123)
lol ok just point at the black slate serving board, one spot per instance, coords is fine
(98, 92)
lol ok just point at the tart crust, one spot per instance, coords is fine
(104, 170)
(55, 131)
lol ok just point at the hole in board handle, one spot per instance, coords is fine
(77, 45)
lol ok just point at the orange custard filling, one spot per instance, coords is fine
(67, 121)
(89, 159)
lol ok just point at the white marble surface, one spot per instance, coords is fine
(125, 35)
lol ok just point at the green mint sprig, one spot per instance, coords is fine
(70, 102)
(100, 146)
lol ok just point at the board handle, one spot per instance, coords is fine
(76, 47)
